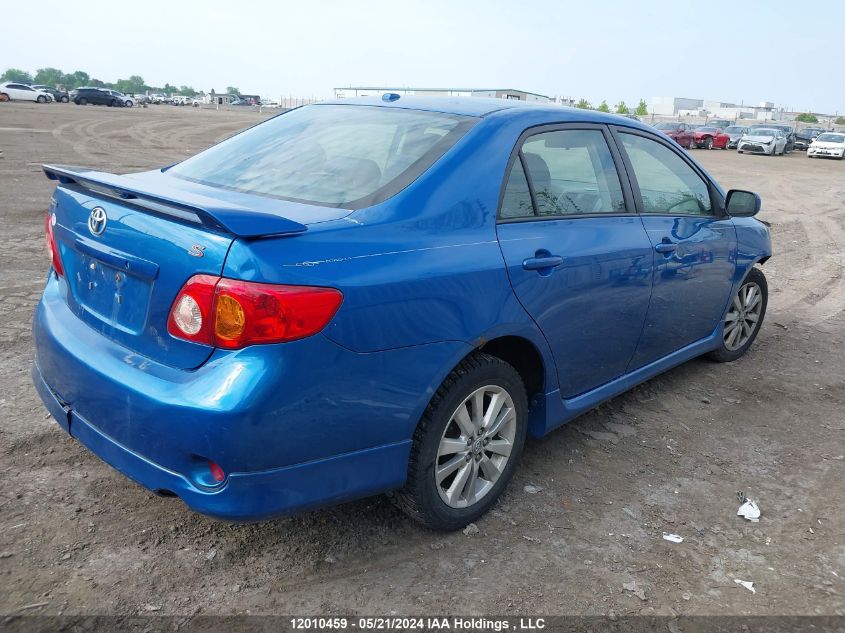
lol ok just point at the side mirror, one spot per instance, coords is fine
(742, 204)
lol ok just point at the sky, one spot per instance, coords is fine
(743, 51)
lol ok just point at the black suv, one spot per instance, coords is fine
(95, 96)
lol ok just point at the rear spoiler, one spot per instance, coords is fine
(214, 214)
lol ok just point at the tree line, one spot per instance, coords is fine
(619, 108)
(134, 85)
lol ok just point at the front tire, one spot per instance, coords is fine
(708, 143)
(467, 444)
(744, 317)
(41, 99)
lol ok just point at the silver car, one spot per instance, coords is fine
(762, 140)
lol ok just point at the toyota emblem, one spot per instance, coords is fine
(97, 221)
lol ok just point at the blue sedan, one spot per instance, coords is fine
(382, 295)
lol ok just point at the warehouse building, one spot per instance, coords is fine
(497, 93)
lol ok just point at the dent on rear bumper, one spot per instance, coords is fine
(295, 425)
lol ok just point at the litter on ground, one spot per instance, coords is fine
(747, 584)
(750, 511)
(673, 537)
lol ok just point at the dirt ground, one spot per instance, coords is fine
(76, 537)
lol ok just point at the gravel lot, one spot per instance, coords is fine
(76, 537)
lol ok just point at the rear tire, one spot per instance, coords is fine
(64, 99)
(452, 433)
(744, 317)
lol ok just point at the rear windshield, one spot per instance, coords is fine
(331, 155)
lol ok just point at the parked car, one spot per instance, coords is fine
(59, 96)
(828, 145)
(382, 295)
(159, 98)
(721, 123)
(15, 91)
(96, 96)
(735, 133)
(708, 137)
(681, 133)
(123, 100)
(804, 137)
(141, 99)
(761, 140)
(788, 133)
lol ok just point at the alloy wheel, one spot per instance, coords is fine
(475, 446)
(743, 316)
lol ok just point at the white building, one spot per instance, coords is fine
(671, 106)
(680, 106)
(498, 93)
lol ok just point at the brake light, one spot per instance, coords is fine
(52, 248)
(233, 314)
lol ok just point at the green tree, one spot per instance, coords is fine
(16, 74)
(133, 85)
(232, 90)
(621, 108)
(807, 117)
(187, 91)
(76, 79)
(96, 83)
(584, 105)
(840, 120)
(603, 107)
(49, 76)
(642, 108)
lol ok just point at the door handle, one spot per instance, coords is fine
(665, 247)
(540, 263)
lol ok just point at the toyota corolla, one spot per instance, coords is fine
(382, 295)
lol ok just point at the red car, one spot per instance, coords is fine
(709, 137)
(681, 133)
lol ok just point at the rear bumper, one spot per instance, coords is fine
(294, 426)
(244, 496)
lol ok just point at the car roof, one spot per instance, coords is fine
(481, 107)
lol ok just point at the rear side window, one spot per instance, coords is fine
(571, 172)
(516, 202)
(332, 155)
(668, 185)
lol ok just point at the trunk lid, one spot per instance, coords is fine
(126, 262)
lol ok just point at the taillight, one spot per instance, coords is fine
(52, 248)
(232, 314)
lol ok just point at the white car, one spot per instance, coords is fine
(828, 145)
(763, 140)
(21, 92)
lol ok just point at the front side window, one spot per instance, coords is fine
(332, 155)
(571, 172)
(668, 185)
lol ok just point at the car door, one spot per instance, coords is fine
(20, 92)
(685, 135)
(694, 244)
(576, 252)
